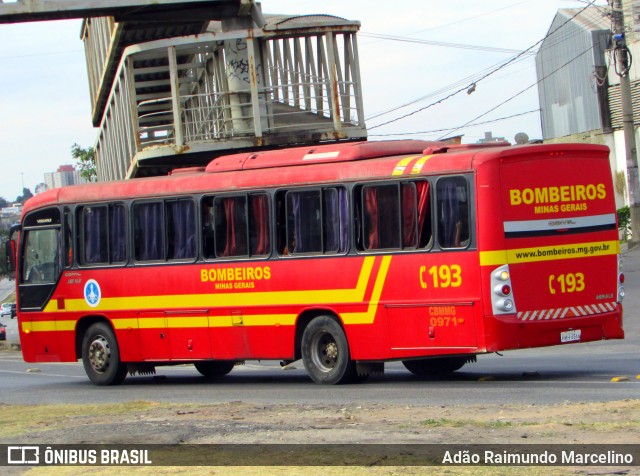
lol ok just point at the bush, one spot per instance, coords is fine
(624, 221)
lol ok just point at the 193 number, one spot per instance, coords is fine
(566, 283)
(444, 276)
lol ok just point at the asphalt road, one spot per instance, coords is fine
(598, 371)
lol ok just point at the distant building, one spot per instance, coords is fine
(10, 215)
(65, 175)
(488, 138)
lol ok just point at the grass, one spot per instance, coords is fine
(17, 420)
(465, 423)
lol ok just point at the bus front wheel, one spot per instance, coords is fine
(213, 369)
(435, 366)
(325, 352)
(101, 356)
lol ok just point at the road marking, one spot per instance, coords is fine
(41, 373)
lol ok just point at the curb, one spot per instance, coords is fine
(10, 346)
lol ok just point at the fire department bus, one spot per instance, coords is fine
(346, 256)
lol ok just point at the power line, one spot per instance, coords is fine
(440, 43)
(449, 128)
(517, 94)
(495, 70)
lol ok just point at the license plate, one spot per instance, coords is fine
(570, 336)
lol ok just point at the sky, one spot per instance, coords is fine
(44, 94)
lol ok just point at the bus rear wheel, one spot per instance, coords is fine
(101, 356)
(433, 367)
(325, 352)
(214, 369)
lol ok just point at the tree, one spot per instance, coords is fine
(26, 195)
(3, 203)
(85, 162)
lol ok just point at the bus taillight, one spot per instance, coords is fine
(620, 280)
(501, 296)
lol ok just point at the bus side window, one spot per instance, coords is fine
(181, 229)
(95, 235)
(208, 222)
(304, 222)
(103, 236)
(117, 233)
(259, 242)
(148, 231)
(425, 229)
(381, 217)
(231, 226)
(453, 212)
(68, 238)
(335, 219)
(313, 221)
(236, 226)
(393, 216)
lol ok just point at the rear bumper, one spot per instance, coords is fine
(508, 332)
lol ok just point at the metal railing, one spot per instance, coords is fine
(224, 92)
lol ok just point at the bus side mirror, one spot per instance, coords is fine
(11, 255)
(12, 248)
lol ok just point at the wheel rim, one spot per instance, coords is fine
(324, 351)
(99, 354)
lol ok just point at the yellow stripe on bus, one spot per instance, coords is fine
(252, 320)
(402, 165)
(369, 316)
(417, 167)
(306, 297)
(350, 296)
(549, 253)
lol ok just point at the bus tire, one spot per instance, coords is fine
(214, 369)
(325, 352)
(101, 355)
(435, 366)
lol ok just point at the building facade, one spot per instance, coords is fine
(65, 175)
(579, 88)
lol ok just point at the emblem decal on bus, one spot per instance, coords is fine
(92, 293)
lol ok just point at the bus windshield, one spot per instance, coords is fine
(41, 263)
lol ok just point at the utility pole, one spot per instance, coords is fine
(622, 66)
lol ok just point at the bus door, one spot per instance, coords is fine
(40, 268)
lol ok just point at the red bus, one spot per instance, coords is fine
(343, 255)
